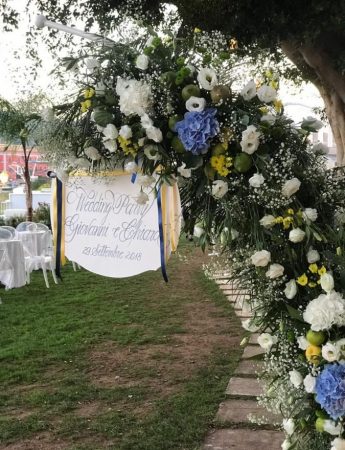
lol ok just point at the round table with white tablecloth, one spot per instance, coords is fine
(12, 275)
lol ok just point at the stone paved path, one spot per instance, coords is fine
(234, 430)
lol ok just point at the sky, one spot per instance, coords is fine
(15, 80)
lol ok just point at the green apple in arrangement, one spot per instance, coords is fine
(191, 90)
(243, 162)
(177, 145)
(173, 121)
(316, 337)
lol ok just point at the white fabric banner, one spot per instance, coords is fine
(106, 231)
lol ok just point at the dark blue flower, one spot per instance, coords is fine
(197, 129)
(330, 390)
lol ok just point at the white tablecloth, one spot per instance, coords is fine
(16, 277)
(35, 243)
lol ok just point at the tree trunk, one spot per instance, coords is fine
(317, 67)
(28, 190)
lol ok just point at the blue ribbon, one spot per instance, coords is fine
(161, 235)
(59, 227)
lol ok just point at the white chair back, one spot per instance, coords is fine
(6, 269)
(5, 235)
(26, 226)
(11, 229)
(41, 227)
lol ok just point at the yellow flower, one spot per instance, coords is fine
(233, 43)
(290, 211)
(89, 92)
(84, 106)
(127, 147)
(279, 219)
(312, 284)
(197, 30)
(322, 270)
(313, 268)
(268, 74)
(313, 353)
(223, 171)
(302, 280)
(278, 104)
(287, 221)
(274, 84)
(264, 109)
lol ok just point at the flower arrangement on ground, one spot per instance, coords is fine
(249, 179)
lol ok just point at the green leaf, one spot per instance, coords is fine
(294, 313)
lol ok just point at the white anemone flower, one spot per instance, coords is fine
(195, 104)
(207, 78)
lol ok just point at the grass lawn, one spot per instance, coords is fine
(129, 364)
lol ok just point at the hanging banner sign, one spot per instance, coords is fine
(107, 232)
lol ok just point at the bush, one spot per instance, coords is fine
(42, 214)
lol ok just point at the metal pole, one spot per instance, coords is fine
(41, 22)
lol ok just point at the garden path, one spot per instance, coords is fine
(233, 428)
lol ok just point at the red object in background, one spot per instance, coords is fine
(12, 161)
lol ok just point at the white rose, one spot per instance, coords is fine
(256, 180)
(289, 426)
(313, 256)
(110, 131)
(325, 311)
(142, 198)
(310, 214)
(195, 104)
(92, 153)
(151, 152)
(340, 345)
(261, 258)
(302, 342)
(249, 325)
(332, 428)
(338, 444)
(184, 172)
(311, 123)
(110, 144)
(198, 231)
(290, 187)
(320, 149)
(290, 290)
(268, 118)
(268, 221)
(266, 93)
(250, 140)
(142, 62)
(327, 282)
(126, 132)
(154, 134)
(145, 180)
(286, 444)
(266, 340)
(296, 235)
(309, 384)
(295, 378)
(219, 188)
(330, 352)
(146, 121)
(131, 167)
(249, 90)
(207, 78)
(275, 271)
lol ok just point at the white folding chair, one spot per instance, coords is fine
(44, 262)
(5, 235)
(41, 227)
(26, 226)
(12, 230)
(6, 269)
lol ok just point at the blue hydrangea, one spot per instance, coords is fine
(197, 129)
(330, 390)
